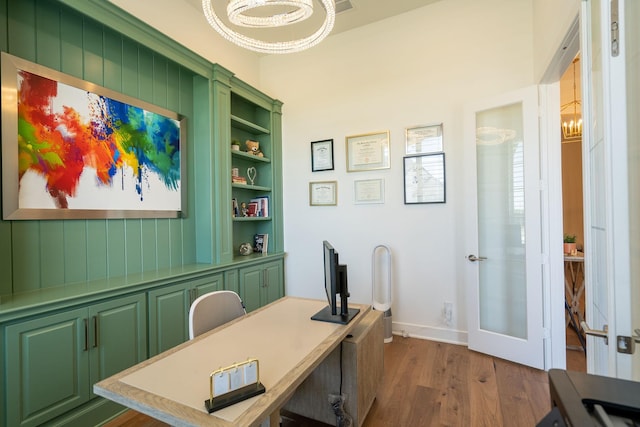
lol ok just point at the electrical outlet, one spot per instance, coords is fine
(448, 312)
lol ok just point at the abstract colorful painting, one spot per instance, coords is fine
(79, 151)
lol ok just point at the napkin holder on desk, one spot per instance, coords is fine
(233, 384)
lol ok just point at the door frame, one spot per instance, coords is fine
(551, 198)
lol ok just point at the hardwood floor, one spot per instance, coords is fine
(427, 383)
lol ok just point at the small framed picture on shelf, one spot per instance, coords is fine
(424, 179)
(263, 205)
(424, 139)
(322, 155)
(252, 209)
(323, 193)
(261, 243)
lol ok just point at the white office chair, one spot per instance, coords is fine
(212, 310)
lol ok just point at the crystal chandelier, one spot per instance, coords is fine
(268, 14)
(572, 130)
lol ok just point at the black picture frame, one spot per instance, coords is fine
(424, 179)
(322, 155)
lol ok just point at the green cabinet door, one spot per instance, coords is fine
(169, 311)
(168, 317)
(261, 284)
(47, 367)
(250, 281)
(211, 284)
(274, 287)
(118, 335)
(53, 361)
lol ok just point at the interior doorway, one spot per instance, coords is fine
(572, 213)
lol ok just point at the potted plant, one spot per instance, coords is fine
(569, 244)
(235, 145)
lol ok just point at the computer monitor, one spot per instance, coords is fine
(335, 282)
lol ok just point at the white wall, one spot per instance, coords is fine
(413, 69)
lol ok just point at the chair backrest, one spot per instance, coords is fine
(212, 310)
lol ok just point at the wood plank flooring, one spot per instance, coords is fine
(427, 383)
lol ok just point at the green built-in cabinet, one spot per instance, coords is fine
(83, 299)
(245, 113)
(169, 310)
(54, 355)
(52, 361)
(260, 284)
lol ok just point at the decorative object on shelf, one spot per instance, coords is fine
(570, 244)
(424, 179)
(243, 209)
(262, 204)
(322, 155)
(244, 19)
(251, 174)
(233, 384)
(235, 172)
(424, 139)
(252, 209)
(368, 152)
(234, 207)
(63, 155)
(253, 147)
(572, 130)
(261, 243)
(239, 180)
(245, 249)
(323, 193)
(235, 145)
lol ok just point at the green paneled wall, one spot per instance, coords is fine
(40, 254)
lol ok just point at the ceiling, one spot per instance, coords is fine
(351, 14)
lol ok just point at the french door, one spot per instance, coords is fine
(502, 200)
(611, 48)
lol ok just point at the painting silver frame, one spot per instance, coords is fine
(9, 67)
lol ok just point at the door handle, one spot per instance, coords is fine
(604, 333)
(96, 331)
(474, 258)
(86, 335)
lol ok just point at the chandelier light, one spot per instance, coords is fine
(572, 130)
(259, 14)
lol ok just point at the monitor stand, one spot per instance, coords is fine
(325, 315)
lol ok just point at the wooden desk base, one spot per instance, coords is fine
(362, 368)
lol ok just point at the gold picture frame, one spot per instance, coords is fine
(323, 193)
(369, 151)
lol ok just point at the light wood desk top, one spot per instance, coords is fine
(173, 386)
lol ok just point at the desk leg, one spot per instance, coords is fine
(274, 419)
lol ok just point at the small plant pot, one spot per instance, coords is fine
(569, 248)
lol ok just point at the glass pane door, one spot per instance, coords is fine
(501, 226)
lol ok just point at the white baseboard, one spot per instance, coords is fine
(433, 333)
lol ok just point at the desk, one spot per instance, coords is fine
(173, 386)
(574, 288)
